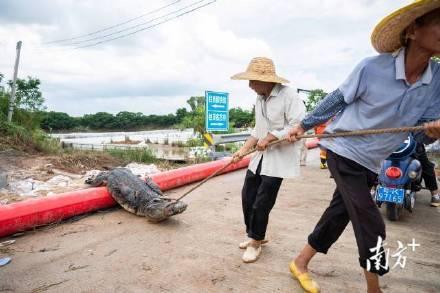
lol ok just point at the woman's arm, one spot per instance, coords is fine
(331, 105)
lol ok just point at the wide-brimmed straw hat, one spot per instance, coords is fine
(386, 36)
(262, 69)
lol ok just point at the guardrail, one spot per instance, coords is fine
(229, 138)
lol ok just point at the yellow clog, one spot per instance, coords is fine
(304, 279)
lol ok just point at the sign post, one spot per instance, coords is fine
(216, 111)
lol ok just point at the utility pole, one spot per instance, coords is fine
(14, 80)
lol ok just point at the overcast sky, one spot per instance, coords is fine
(314, 43)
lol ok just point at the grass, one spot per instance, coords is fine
(79, 160)
(141, 155)
(20, 138)
(230, 147)
(45, 144)
(13, 136)
(194, 142)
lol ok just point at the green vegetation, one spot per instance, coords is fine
(196, 118)
(141, 155)
(30, 118)
(24, 132)
(28, 105)
(230, 147)
(59, 121)
(240, 118)
(314, 97)
(30, 112)
(27, 140)
(194, 142)
(102, 121)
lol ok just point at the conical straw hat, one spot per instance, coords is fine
(262, 69)
(386, 35)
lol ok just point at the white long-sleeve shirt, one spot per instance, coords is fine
(276, 115)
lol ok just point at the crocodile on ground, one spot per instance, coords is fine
(136, 196)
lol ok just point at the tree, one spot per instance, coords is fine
(168, 120)
(180, 114)
(100, 120)
(196, 118)
(3, 100)
(240, 118)
(196, 103)
(28, 95)
(314, 97)
(28, 104)
(57, 121)
(128, 120)
(437, 59)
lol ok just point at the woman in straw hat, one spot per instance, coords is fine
(399, 87)
(278, 108)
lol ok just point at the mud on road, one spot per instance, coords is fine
(114, 251)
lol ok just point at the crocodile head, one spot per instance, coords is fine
(97, 178)
(160, 209)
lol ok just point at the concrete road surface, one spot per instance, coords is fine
(114, 251)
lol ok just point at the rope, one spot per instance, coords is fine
(324, 135)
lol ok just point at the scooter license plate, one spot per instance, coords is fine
(390, 194)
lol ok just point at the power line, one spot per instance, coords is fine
(113, 26)
(152, 26)
(135, 26)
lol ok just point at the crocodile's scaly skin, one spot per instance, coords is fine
(136, 196)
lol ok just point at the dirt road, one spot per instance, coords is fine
(197, 251)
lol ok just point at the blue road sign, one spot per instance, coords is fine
(216, 111)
